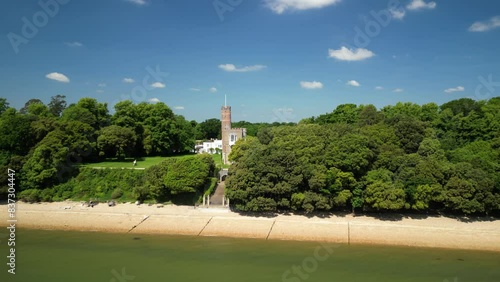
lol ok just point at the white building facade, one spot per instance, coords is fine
(210, 147)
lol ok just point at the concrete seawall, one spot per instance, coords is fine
(127, 218)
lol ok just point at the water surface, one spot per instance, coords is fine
(79, 256)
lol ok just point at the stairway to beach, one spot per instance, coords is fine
(216, 198)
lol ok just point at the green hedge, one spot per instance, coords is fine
(99, 184)
(180, 181)
(211, 188)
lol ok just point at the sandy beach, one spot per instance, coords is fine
(440, 232)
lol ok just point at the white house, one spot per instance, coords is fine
(210, 147)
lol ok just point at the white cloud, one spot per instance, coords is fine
(398, 90)
(398, 14)
(73, 44)
(213, 89)
(99, 91)
(311, 84)
(420, 4)
(194, 89)
(280, 6)
(456, 89)
(101, 84)
(179, 107)
(379, 88)
(345, 54)
(138, 2)
(353, 83)
(128, 80)
(485, 25)
(154, 100)
(285, 110)
(233, 68)
(158, 85)
(58, 77)
(283, 114)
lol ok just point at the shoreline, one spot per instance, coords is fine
(431, 232)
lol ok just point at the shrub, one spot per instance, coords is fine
(211, 187)
(30, 196)
(297, 200)
(47, 195)
(261, 204)
(117, 193)
(103, 184)
(187, 175)
(141, 193)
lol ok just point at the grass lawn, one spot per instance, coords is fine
(129, 162)
(218, 161)
(144, 162)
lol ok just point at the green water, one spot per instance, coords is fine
(73, 256)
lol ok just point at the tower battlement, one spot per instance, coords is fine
(229, 135)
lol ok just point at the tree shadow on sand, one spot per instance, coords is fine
(323, 214)
(291, 213)
(421, 216)
(469, 219)
(256, 214)
(377, 215)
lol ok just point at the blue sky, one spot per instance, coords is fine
(276, 60)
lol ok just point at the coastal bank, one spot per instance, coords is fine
(432, 231)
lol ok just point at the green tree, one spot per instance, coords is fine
(57, 105)
(116, 141)
(209, 129)
(341, 184)
(410, 133)
(491, 110)
(15, 130)
(368, 115)
(462, 106)
(345, 113)
(4, 105)
(184, 135)
(187, 175)
(385, 196)
(260, 171)
(426, 195)
(41, 169)
(76, 113)
(38, 110)
(430, 112)
(470, 190)
(401, 111)
(159, 122)
(24, 110)
(98, 110)
(350, 153)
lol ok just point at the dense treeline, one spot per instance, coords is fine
(426, 158)
(211, 128)
(254, 128)
(179, 180)
(45, 143)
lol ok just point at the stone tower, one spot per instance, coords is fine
(226, 128)
(229, 135)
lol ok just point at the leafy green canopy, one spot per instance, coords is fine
(175, 178)
(402, 157)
